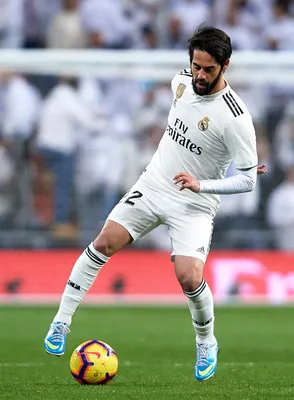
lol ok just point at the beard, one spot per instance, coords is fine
(207, 87)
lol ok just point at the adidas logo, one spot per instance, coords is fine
(201, 250)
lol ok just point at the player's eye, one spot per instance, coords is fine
(207, 70)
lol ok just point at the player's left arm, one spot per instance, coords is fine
(242, 182)
(239, 137)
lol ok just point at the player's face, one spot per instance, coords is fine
(207, 74)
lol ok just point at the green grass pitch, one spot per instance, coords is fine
(156, 351)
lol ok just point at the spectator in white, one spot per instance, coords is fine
(124, 110)
(65, 30)
(11, 23)
(99, 186)
(154, 104)
(97, 182)
(280, 212)
(107, 163)
(183, 16)
(116, 100)
(64, 113)
(21, 110)
(243, 23)
(95, 154)
(159, 20)
(284, 138)
(148, 37)
(142, 15)
(253, 13)
(106, 24)
(38, 16)
(280, 33)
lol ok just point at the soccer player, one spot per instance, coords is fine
(208, 127)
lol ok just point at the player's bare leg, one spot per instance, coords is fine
(200, 301)
(112, 238)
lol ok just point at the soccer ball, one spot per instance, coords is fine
(93, 363)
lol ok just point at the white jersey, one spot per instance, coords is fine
(204, 134)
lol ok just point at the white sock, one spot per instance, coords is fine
(200, 303)
(82, 277)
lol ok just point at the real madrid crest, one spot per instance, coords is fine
(180, 90)
(203, 124)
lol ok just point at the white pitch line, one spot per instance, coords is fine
(5, 365)
(131, 363)
(238, 364)
(226, 364)
(127, 363)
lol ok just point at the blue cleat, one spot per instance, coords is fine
(54, 342)
(206, 362)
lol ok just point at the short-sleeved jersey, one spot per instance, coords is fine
(204, 135)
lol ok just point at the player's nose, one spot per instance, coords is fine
(201, 75)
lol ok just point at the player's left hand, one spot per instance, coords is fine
(187, 181)
(261, 169)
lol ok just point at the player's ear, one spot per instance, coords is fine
(226, 64)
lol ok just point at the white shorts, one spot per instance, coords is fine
(141, 210)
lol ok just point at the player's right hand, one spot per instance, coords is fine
(187, 182)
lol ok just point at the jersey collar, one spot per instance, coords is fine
(210, 97)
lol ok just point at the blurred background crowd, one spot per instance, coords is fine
(148, 24)
(70, 147)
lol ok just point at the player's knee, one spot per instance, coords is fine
(104, 246)
(189, 282)
(111, 239)
(189, 272)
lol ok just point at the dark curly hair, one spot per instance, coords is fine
(212, 40)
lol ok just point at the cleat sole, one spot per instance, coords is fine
(53, 354)
(205, 379)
